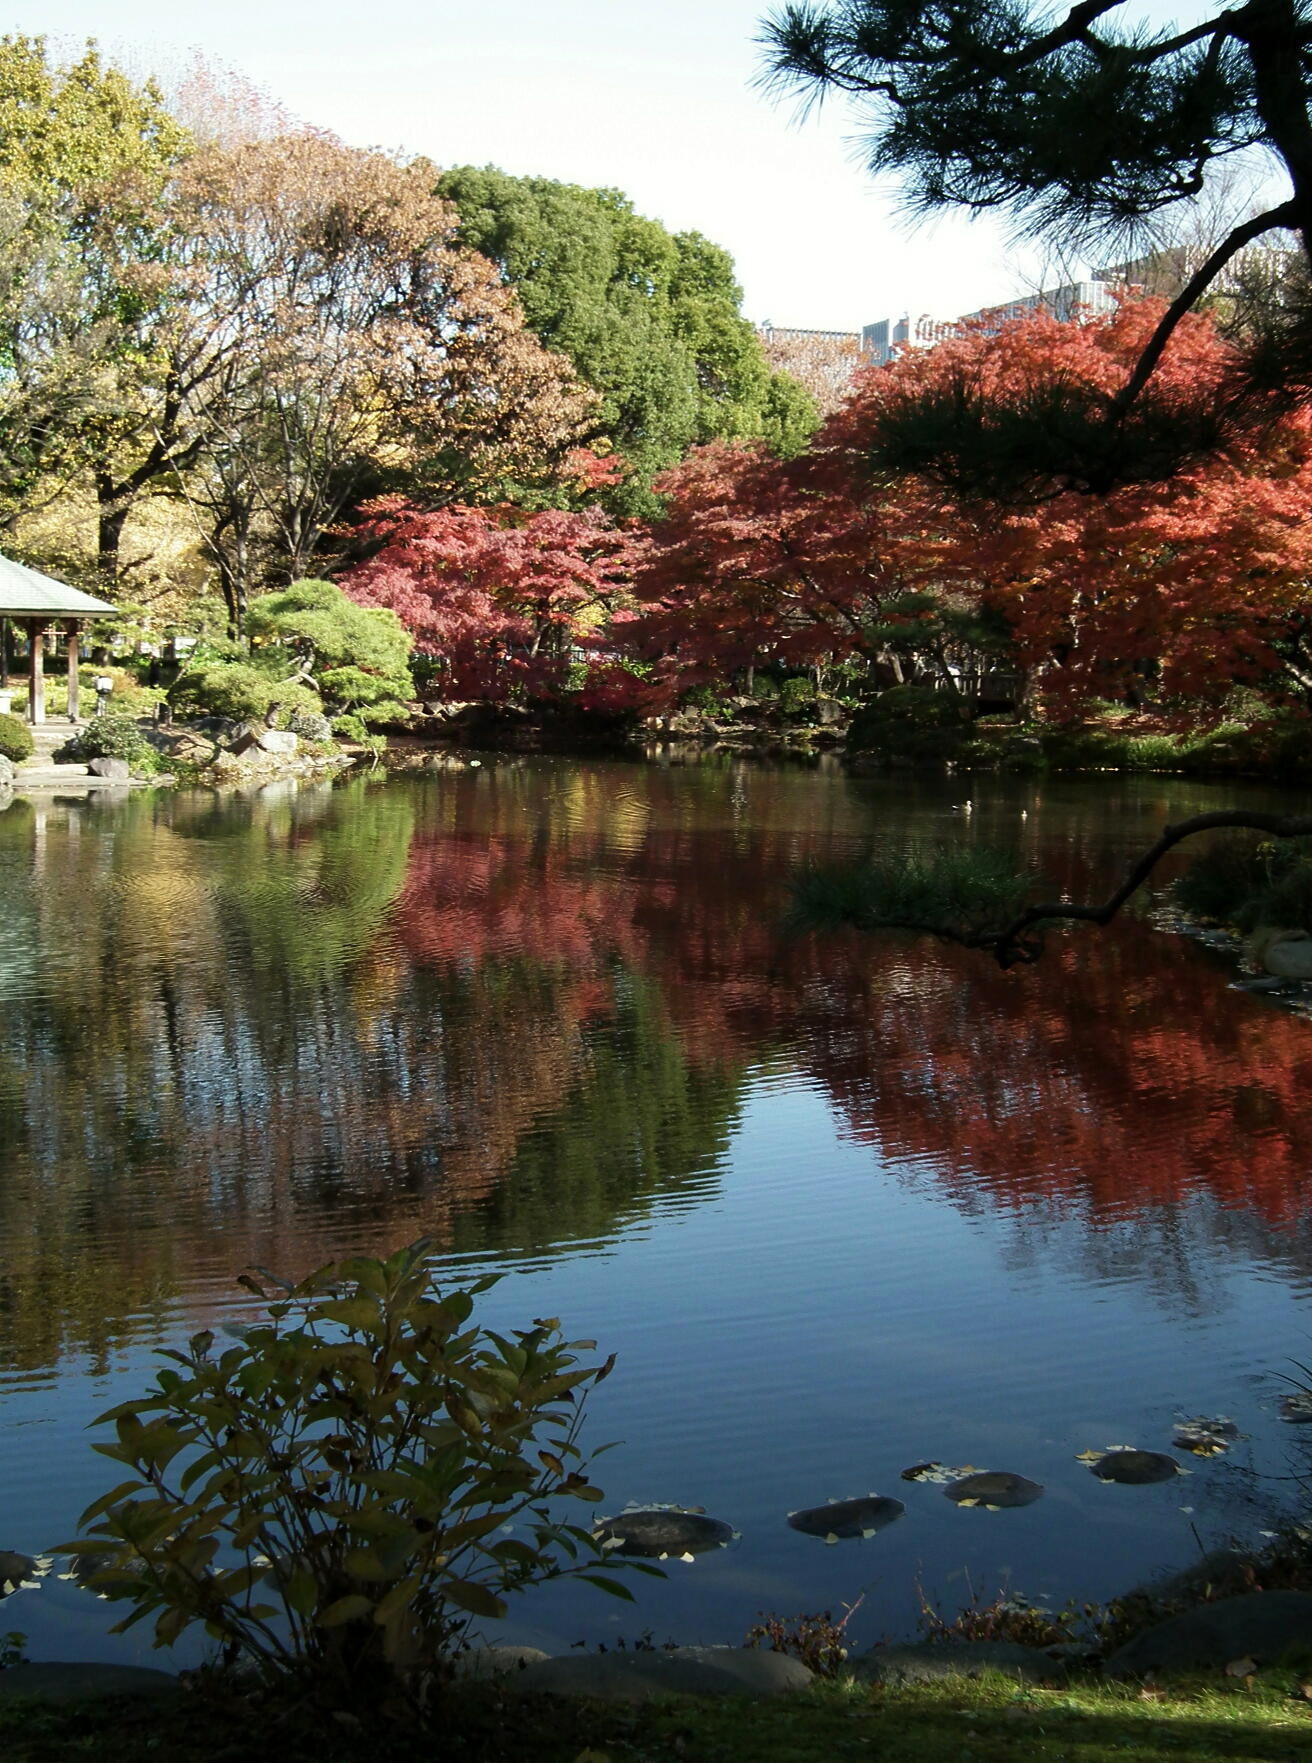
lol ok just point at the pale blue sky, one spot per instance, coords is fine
(655, 101)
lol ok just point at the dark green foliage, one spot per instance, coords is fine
(908, 722)
(649, 318)
(15, 739)
(961, 894)
(114, 735)
(1077, 128)
(1050, 434)
(338, 1492)
(1249, 882)
(257, 690)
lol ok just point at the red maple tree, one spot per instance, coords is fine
(506, 602)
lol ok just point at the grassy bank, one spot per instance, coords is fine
(1270, 748)
(1267, 1717)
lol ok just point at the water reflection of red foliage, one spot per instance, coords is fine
(1119, 1074)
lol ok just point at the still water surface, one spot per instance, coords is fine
(839, 1206)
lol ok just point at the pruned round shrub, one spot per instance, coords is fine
(338, 1490)
(15, 739)
(907, 721)
(244, 692)
(111, 736)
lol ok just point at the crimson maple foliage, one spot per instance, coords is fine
(506, 602)
(1191, 583)
(796, 561)
(1194, 580)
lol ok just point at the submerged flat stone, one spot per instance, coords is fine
(1135, 1468)
(14, 1569)
(661, 1531)
(994, 1488)
(846, 1519)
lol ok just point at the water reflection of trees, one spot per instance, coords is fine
(511, 1008)
(230, 1054)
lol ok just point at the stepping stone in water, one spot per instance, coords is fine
(847, 1519)
(15, 1569)
(659, 1532)
(1296, 1408)
(940, 1473)
(1205, 1438)
(993, 1489)
(1136, 1468)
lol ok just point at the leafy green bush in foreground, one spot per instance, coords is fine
(341, 1490)
(15, 739)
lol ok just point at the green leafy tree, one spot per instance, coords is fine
(649, 318)
(1088, 133)
(357, 657)
(90, 385)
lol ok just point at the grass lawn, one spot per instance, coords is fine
(1213, 1721)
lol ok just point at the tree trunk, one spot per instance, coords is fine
(113, 508)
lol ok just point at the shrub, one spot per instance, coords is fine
(245, 691)
(1247, 882)
(914, 722)
(796, 695)
(333, 1493)
(15, 739)
(817, 1640)
(360, 655)
(111, 736)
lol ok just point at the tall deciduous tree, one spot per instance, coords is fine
(359, 342)
(86, 291)
(798, 562)
(650, 319)
(1086, 131)
(1190, 583)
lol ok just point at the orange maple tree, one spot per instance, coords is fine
(1179, 587)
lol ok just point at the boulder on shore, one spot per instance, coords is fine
(1257, 1625)
(14, 1569)
(676, 1671)
(63, 1682)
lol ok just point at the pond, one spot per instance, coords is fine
(840, 1206)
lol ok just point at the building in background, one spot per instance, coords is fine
(880, 342)
(822, 361)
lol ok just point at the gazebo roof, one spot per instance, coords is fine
(26, 593)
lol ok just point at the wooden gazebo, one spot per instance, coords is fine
(37, 601)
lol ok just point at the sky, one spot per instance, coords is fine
(655, 101)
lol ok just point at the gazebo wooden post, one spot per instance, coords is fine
(36, 677)
(4, 654)
(72, 629)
